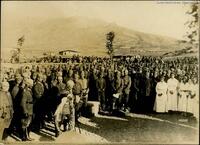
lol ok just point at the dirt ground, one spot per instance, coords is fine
(132, 128)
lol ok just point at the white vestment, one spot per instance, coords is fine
(161, 97)
(172, 99)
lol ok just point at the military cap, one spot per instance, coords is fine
(29, 82)
(18, 76)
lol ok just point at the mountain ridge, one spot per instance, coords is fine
(86, 35)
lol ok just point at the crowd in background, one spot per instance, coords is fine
(33, 93)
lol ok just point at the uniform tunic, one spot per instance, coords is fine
(172, 94)
(161, 97)
(27, 107)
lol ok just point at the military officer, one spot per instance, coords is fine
(101, 85)
(126, 90)
(16, 97)
(38, 91)
(117, 90)
(6, 108)
(27, 109)
(77, 92)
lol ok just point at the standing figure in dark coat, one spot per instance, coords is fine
(146, 92)
(92, 95)
(38, 91)
(101, 85)
(117, 91)
(155, 80)
(27, 109)
(126, 90)
(109, 90)
(16, 98)
(136, 91)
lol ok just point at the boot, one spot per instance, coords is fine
(27, 136)
(23, 135)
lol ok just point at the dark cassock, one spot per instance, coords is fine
(93, 92)
(146, 93)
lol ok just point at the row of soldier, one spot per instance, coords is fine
(38, 92)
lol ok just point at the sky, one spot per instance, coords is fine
(163, 18)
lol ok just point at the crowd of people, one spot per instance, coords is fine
(61, 91)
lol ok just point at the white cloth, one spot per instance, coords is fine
(190, 101)
(58, 113)
(172, 99)
(182, 99)
(161, 97)
(196, 101)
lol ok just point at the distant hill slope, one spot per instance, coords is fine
(82, 34)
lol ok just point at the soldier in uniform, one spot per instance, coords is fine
(117, 90)
(85, 88)
(126, 90)
(27, 109)
(108, 91)
(101, 85)
(38, 91)
(61, 87)
(16, 97)
(6, 108)
(77, 92)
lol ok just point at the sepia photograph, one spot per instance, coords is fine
(99, 72)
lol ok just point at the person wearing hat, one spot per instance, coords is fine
(38, 91)
(6, 108)
(172, 93)
(26, 110)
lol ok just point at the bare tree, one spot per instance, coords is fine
(17, 51)
(109, 43)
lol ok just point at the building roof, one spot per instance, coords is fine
(69, 51)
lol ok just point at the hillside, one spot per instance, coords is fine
(82, 34)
